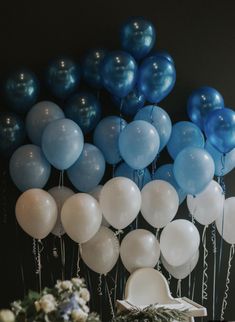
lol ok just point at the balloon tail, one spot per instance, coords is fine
(179, 288)
(213, 239)
(61, 179)
(205, 267)
(224, 302)
(159, 265)
(78, 261)
(62, 254)
(110, 300)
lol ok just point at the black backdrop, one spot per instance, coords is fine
(200, 35)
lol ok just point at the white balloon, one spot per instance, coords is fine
(60, 194)
(81, 217)
(182, 271)
(120, 201)
(96, 194)
(101, 252)
(179, 241)
(160, 203)
(226, 229)
(36, 212)
(139, 249)
(208, 205)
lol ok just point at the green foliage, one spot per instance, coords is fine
(151, 314)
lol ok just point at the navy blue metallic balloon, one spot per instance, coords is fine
(156, 79)
(84, 109)
(21, 90)
(63, 77)
(91, 67)
(165, 54)
(12, 133)
(119, 73)
(201, 102)
(220, 129)
(130, 104)
(138, 37)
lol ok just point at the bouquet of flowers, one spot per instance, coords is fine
(67, 301)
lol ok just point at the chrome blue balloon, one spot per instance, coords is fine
(223, 163)
(184, 134)
(12, 133)
(40, 115)
(119, 73)
(165, 172)
(140, 177)
(87, 172)
(159, 119)
(21, 90)
(91, 67)
(106, 136)
(201, 102)
(130, 104)
(220, 129)
(62, 143)
(29, 167)
(165, 54)
(156, 78)
(84, 109)
(193, 169)
(139, 144)
(63, 77)
(138, 37)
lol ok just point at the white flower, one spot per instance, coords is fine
(37, 306)
(79, 316)
(6, 316)
(84, 293)
(47, 303)
(77, 281)
(80, 300)
(58, 285)
(85, 308)
(66, 285)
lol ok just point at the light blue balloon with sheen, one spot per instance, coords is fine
(29, 167)
(140, 177)
(39, 116)
(165, 172)
(159, 119)
(87, 172)
(193, 169)
(223, 163)
(106, 136)
(139, 144)
(62, 143)
(184, 134)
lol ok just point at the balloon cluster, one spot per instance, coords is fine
(133, 76)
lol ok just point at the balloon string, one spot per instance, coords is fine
(189, 283)
(179, 291)
(159, 265)
(110, 300)
(169, 279)
(193, 289)
(154, 164)
(225, 303)
(117, 245)
(113, 289)
(78, 261)
(158, 233)
(205, 267)
(99, 287)
(62, 178)
(62, 254)
(113, 170)
(213, 239)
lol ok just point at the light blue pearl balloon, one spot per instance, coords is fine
(159, 119)
(138, 37)
(184, 134)
(165, 172)
(106, 136)
(62, 143)
(119, 73)
(29, 167)
(156, 78)
(40, 115)
(223, 163)
(87, 172)
(140, 177)
(139, 144)
(193, 169)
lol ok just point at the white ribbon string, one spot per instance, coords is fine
(78, 260)
(205, 267)
(110, 300)
(179, 291)
(213, 240)
(227, 285)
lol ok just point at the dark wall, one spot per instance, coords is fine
(200, 35)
